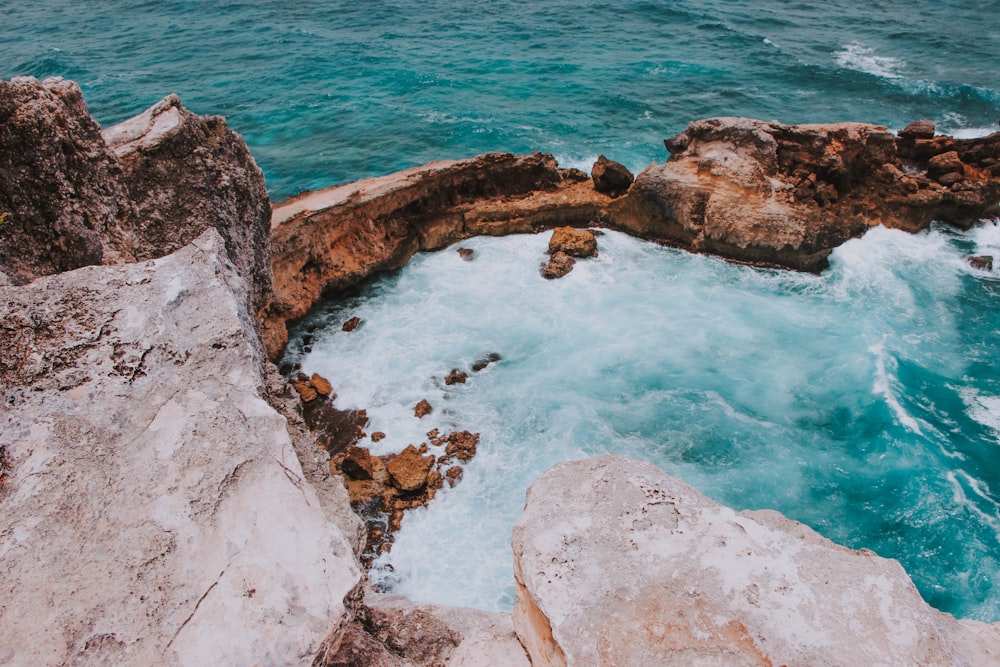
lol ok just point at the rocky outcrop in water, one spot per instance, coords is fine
(618, 563)
(71, 197)
(155, 511)
(786, 195)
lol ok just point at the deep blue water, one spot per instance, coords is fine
(865, 402)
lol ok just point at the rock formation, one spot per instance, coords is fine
(618, 563)
(786, 195)
(155, 511)
(565, 244)
(610, 177)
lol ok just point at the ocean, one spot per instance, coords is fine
(864, 402)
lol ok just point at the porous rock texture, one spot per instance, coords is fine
(786, 195)
(63, 203)
(155, 511)
(72, 197)
(618, 563)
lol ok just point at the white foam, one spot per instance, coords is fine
(884, 386)
(983, 409)
(860, 58)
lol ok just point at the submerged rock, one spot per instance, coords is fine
(351, 324)
(982, 262)
(153, 492)
(456, 377)
(618, 563)
(559, 265)
(467, 254)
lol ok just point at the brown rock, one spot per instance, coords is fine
(453, 475)
(949, 179)
(412, 633)
(462, 445)
(357, 463)
(573, 242)
(611, 178)
(354, 648)
(467, 254)
(335, 430)
(321, 385)
(306, 391)
(918, 129)
(434, 480)
(422, 408)
(378, 436)
(677, 143)
(432, 434)
(558, 266)
(490, 358)
(456, 377)
(982, 262)
(395, 520)
(408, 469)
(351, 324)
(944, 163)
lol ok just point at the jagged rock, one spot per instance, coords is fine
(408, 470)
(610, 177)
(618, 563)
(945, 163)
(574, 242)
(461, 445)
(357, 463)
(559, 265)
(351, 324)
(139, 446)
(422, 409)
(453, 475)
(982, 262)
(185, 173)
(306, 391)
(918, 129)
(321, 385)
(456, 377)
(62, 198)
(335, 430)
(786, 195)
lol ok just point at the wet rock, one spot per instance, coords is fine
(918, 129)
(461, 445)
(559, 265)
(945, 163)
(611, 178)
(982, 262)
(335, 430)
(422, 409)
(358, 464)
(378, 436)
(453, 475)
(467, 254)
(574, 242)
(321, 385)
(614, 538)
(351, 324)
(456, 377)
(481, 364)
(306, 391)
(408, 470)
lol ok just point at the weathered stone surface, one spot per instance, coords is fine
(333, 238)
(155, 511)
(559, 265)
(610, 177)
(61, 193)
(574, 242)
(422, 409)
(945, 163)
(186, 173)
(919, 129)
(461, 445)
(619, 564)
(357, 463)
(786, 195)
(408, 469)
(321, 385)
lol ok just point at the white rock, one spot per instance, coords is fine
(155, 512)
(619, 564)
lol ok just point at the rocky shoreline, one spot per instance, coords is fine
(170, 498)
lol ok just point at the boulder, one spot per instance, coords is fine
(351, 324)
(62, 199)
(408, 470)
(918, 129)
(155, 511)
(617, 563)
(358, 464)
(559, 265)
(422, 409)
(574, 242)
(185, 173)
(610, 177)
(321, 385)
(945, 163)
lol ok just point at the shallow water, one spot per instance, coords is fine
(863, 402)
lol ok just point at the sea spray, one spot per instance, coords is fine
(857, 401)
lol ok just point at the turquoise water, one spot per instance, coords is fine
(328, 92)
(864, 402)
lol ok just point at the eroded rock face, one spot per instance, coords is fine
(618, 563)
(155, 511)
(185, 173)
(62, 199)
(786, 195)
